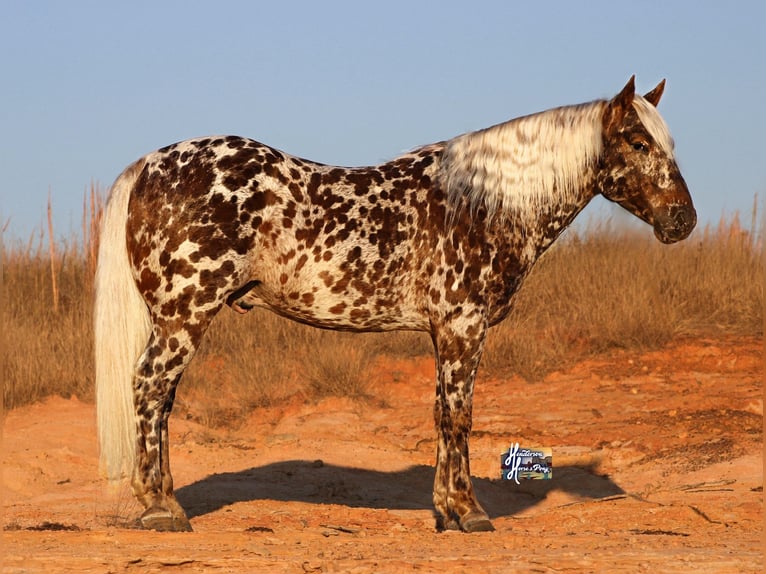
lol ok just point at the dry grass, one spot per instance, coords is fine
(594, 291)
(261, 359)
(605, 289)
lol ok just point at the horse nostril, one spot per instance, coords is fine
(675, 224)
(685, 218)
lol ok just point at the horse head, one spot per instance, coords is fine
(637, 167)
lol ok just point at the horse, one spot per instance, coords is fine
(438, 240)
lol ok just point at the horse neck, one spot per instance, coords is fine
(526, 234)
(534, 173)
(531, 175)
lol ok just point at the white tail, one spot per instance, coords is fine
(122, 328)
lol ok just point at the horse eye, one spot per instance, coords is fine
(640, 146)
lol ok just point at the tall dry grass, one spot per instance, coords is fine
(260, 359)
(46, 310)
(595, 290)
(606, 288)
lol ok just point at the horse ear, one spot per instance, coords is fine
(619, 105)
(654, 96)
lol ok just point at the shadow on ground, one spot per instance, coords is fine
(408, 489)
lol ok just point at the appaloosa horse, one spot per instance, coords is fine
(437, 240)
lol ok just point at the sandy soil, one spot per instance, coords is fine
(657, 457)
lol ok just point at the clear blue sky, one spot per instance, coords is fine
(87, 87)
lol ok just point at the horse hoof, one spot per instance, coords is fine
(443, 524)
(163, 521)
(476, 522)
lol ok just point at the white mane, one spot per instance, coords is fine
(654, 124)
(526, 163)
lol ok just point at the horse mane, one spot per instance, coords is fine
(654, 124)
(527, 163)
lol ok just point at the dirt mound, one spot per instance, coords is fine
(657, 465)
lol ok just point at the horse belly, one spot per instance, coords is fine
(343, 301)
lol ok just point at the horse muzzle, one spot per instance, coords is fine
(675, 224)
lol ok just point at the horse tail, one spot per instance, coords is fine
(121, 327)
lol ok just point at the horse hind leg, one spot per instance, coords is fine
(159, 370)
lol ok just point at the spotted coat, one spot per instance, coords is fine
(410, 244)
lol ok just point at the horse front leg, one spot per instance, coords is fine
(458, 352)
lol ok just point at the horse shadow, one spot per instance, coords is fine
(408, 489)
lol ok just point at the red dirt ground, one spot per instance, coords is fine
(658, 466)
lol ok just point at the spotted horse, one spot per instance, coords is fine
(437, 240)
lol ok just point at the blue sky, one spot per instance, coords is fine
(90, 86)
